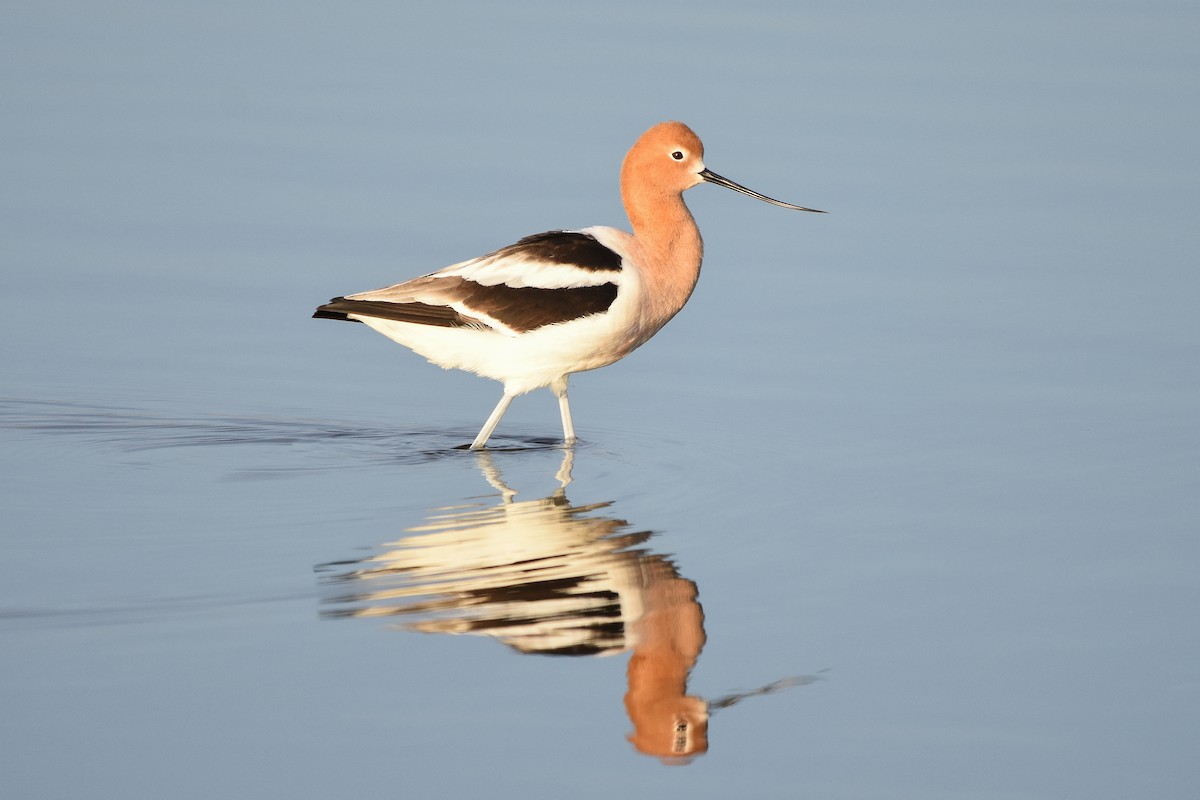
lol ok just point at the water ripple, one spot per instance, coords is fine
(134, 435)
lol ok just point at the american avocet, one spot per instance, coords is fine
(530, 314)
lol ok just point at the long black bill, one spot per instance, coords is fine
(713, 177)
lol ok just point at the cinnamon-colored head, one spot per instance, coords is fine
(667, 159)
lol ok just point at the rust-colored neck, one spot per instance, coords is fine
(669, 247)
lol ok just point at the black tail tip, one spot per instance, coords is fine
(332, 310)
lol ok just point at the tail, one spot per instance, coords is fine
(413, 312)
(335, 309)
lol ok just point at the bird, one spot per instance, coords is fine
(533, 313)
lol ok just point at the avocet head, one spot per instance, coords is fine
(669, 158)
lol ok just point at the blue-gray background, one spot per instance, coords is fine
(942, 442)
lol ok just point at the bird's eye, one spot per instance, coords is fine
(677, 155)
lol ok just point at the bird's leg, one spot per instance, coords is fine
(559, 387)
(486, 431)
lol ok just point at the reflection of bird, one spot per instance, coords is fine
(530, 314)
(543, 576)
(550, 578)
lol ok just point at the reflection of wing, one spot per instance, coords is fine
(542, 576)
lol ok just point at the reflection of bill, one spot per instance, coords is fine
(546, 577)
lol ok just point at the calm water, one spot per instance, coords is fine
(907, 498)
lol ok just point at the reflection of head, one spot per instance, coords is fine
(667, 637)
(673, 728)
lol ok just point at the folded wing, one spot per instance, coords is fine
(546, 279)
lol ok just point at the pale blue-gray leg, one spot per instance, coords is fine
(559, 387)
(486, 431)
